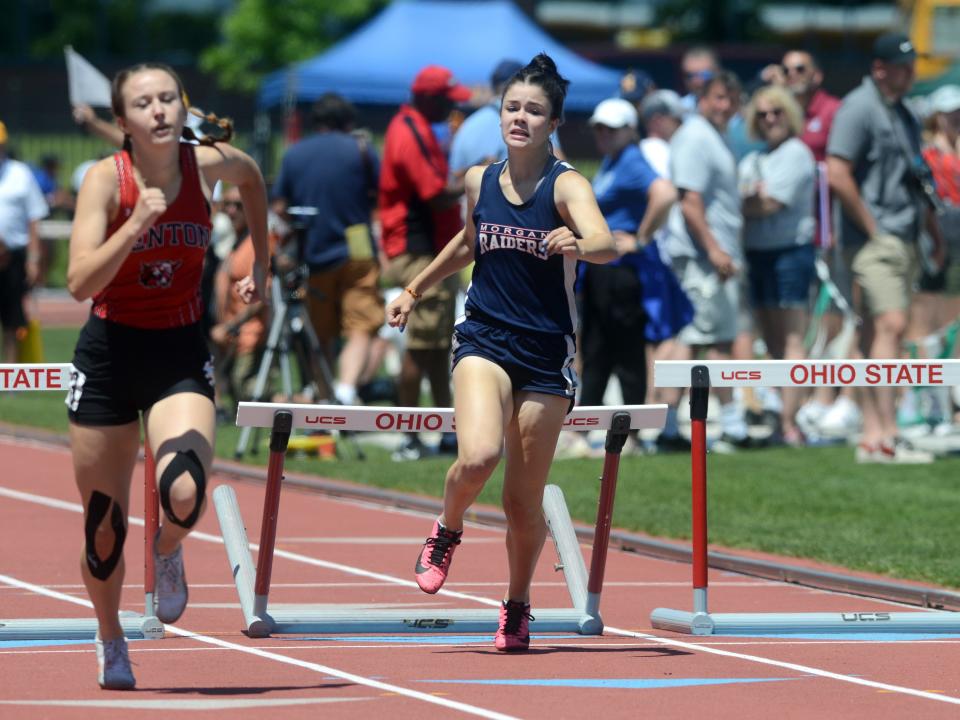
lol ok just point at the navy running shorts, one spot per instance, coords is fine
(121, 371)
(537, 362)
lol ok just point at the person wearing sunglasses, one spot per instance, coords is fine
(698, 65)
(776, 189)
(803, 77)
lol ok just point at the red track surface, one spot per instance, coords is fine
(206, 663)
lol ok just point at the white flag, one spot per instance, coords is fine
(87, 84)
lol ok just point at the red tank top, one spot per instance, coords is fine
(158, 285)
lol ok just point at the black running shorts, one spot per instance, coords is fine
(121, 371)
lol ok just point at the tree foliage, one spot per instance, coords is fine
(259, 36)
(712, 21)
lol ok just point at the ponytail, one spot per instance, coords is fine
(224, 124)
(542, 71)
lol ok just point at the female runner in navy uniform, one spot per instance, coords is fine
(141, 228)
(529, 221)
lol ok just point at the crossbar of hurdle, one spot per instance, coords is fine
(699, 376)
(48, 377)
(253, 583)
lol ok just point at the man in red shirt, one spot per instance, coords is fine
(419, 214)
(803, 77)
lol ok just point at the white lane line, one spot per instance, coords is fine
(495, 603)
(175, 705)
(806, 669)
(315, 667)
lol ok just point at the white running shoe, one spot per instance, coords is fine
(170, 595)
(113, 664)
(841, 420)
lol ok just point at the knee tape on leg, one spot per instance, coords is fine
(97, 509)
(185, 461)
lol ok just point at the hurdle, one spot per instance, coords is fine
(699, 376)
(253, 584)
(47, 377)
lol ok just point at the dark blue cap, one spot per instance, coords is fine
(504, 71)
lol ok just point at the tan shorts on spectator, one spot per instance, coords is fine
(430, 325)
(885, 268)
(716, 302)
(346, 299)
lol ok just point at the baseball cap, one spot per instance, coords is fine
(945, 99)
(504, 71)
(3, 134)
(614, 113)
(662, 102)
(634, 85)
(438, 80)
(894, 47)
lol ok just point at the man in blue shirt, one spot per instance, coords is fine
(335, 171)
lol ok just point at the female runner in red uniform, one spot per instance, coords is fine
(141, 227)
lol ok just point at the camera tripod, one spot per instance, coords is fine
(292, 332)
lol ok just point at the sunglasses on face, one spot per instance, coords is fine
(774, 113)
(794, 69)
(702, 74)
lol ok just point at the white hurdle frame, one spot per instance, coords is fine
(24, 377)
(253, 585)
(699, 376)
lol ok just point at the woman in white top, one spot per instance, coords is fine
(777, 189)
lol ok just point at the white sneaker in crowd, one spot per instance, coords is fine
(899, 453)
(808, 418)
(842, 419)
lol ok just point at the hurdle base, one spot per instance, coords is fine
(805, 623)
(307, 619)
(135, 627)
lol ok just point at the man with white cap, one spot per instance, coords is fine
(21, 208)
(634, 202)
(661, 114)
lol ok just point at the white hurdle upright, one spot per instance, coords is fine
(253, 585)
(47, 377)
(699, 376)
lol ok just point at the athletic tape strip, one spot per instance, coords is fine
(184, 461)
(97, 509)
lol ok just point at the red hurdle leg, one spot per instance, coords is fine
(151, 523)
(279, 438)
(616, 437)
(699, 395)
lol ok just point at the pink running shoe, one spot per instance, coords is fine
(433, 562)
(513, 634)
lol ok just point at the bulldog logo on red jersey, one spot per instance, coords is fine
(158, 274)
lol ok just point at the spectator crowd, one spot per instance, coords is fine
(764, 218)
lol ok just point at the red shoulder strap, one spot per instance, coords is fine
(128, 185)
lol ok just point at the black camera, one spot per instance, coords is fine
(288, 263)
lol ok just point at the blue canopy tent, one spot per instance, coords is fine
(378, 62)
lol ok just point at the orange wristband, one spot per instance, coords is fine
(416, 295)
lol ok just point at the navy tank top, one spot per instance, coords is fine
(514, 283)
